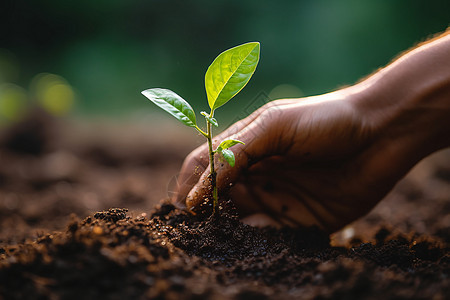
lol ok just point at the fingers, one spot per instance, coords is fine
(193, 183)
(197, 161)
(257, 145)
(193, 167)
(226, 174)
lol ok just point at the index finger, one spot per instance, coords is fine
(193, 166)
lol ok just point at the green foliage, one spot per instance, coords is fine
(211, 120)
(230, 72)
(228, 143)
(227, 153)
(229, 156)
(225, 77)
(173, 104)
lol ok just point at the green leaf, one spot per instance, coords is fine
(229, 156)
(230, 72)
(173, 104)
(228, 143)
(211, 120)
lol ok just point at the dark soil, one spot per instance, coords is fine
(59, 240)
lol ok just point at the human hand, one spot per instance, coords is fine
(327, 160)
(304, 162)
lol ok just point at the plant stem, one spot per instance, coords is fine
(213, 173)
(201, 131)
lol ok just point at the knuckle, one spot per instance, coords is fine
(270, 113)
(275, 103)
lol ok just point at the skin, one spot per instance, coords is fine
(329, 159)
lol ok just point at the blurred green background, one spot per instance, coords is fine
(101, 54)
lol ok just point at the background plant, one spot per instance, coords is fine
(225, 77)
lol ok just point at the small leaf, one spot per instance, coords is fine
(230, 72)
(211, 120)
(228, 143)
(173, 104)
(229, 156)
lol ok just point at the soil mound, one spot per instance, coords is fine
(172, 255)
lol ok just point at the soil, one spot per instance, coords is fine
(83, 215)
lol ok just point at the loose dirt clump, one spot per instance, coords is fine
(112, 214)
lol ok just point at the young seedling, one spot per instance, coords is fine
(225, 77)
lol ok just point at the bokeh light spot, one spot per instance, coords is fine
(13, 102)
(53, 93)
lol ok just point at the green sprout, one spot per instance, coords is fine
(225, 77)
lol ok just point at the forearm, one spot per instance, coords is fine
(408, 101)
